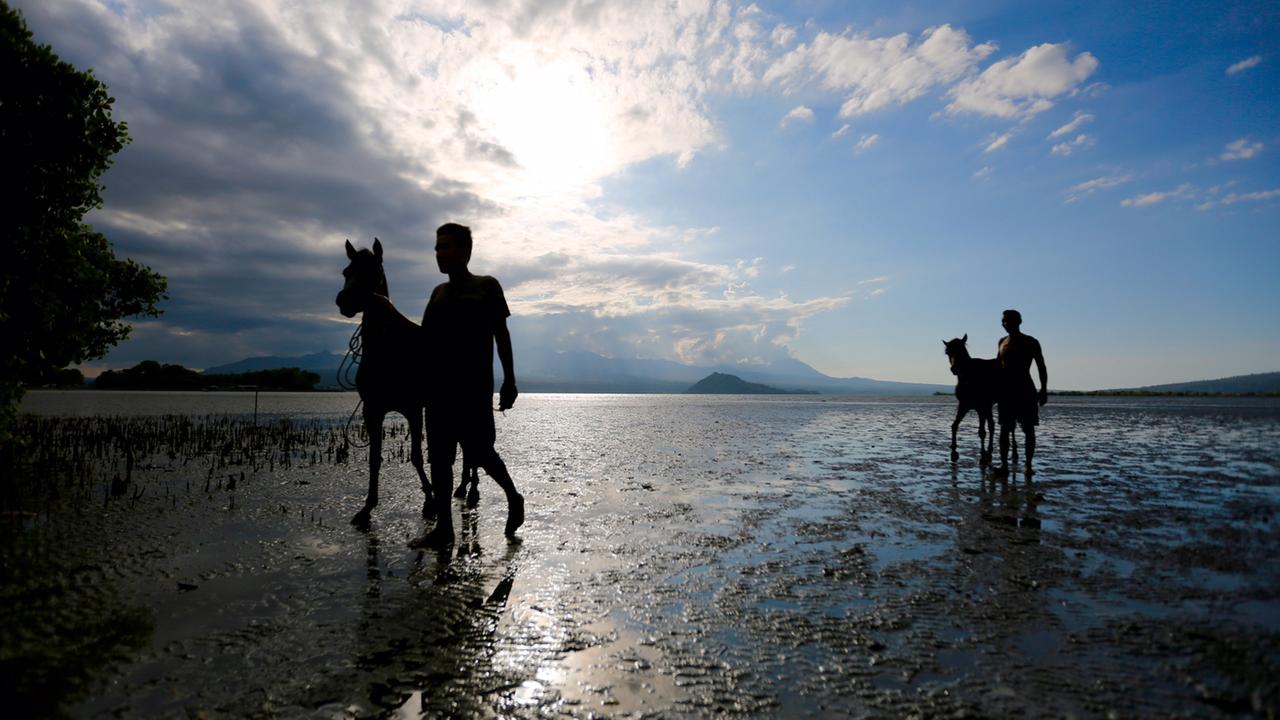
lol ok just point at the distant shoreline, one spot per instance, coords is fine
(1148, 393)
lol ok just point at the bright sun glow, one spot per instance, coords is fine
(556, 123)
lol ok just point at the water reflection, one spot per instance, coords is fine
(426, 643)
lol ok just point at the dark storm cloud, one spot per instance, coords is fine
(250, 164)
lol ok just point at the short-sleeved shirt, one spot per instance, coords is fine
(459, 323)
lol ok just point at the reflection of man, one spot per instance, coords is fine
(1019, 401)
(464, 318)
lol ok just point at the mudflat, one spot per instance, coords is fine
(682, 556)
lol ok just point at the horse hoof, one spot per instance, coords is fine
(955, 456)
(436, 539)
(515, 515)
(428, 510)
(473, 497)
(361, 519)
(461, 492)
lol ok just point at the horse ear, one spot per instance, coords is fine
(351, 251)
(377, 248)
(965, 339)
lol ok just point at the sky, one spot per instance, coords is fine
(847, 184)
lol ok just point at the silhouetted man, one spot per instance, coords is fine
(1019, 404)
(464, 318)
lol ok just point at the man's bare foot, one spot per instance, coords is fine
(438, 538)
(515, 514)
(1000, 471)
(1028, 471)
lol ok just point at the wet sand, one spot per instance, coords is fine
(681, 557)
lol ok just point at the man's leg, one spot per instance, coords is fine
(440, 457)
(496, 469)
(1006, 431)
(1029, 432)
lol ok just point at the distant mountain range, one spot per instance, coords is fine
(1258, 383)
(551, 371)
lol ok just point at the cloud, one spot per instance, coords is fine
(1154, 198)
(266, 133)
(1245, 64)
(1089, 187)
(1080, 141)
(1022, 86)
(1079, 119)
(1233, 198)
(982, 173)
(1241, 149)
(866, 142)
(844, 129)
(799, 113)
(875, 280)
(876, 73)
(998, 143)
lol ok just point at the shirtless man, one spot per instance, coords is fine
(1019, 403)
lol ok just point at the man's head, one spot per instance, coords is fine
(453, 247)
(1011, 320)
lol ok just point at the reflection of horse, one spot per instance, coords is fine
(390, 377)
(977, 388)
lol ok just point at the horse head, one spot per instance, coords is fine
(362, 277)
(956, 352)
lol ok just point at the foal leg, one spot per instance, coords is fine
(415, 455)
(984, 453)
(961, 411)
(373, 426)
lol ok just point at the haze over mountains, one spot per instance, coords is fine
(552, 371)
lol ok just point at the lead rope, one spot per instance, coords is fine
(346, 379)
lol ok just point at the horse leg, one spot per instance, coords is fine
(415, 455)
(461, 492)
(961, 411)
(373, 426)
(473, 495)
(984, 455)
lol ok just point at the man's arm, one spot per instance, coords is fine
(507, 395)
(1044, 375)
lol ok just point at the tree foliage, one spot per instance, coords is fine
(151, 375)
(63, 292)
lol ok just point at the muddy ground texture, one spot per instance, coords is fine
(684, 557)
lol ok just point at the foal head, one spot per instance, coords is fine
(956, 352)
(363, 276)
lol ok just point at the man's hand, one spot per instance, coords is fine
(507, 395)
(1044, 396)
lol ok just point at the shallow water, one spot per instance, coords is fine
(683, 555)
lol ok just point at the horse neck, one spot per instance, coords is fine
(962, 361)
(376, 321)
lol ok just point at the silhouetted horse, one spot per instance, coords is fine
(977, 388)
(391, 375)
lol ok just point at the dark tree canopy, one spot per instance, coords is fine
(63, 292)
(151, 375)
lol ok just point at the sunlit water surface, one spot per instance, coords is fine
(692, 555)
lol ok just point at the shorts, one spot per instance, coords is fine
(1021, 406)
(452, 422)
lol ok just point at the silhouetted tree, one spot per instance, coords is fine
(150, 375)
(63, 292)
